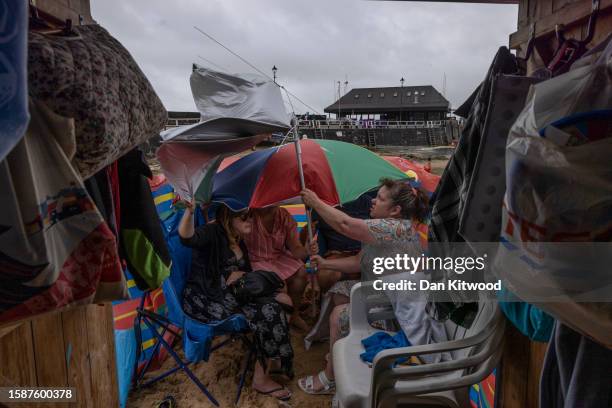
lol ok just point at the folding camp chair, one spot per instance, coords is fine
(197, 337)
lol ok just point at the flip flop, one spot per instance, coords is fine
(306, 384)
(269, 393)
(168, 402)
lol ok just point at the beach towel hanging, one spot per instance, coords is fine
(93, 79)
(55, 248)
(450, 197)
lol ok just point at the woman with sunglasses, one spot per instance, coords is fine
(219, 259)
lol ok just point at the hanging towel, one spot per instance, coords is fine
(448, 200)
(528, 319)
(380, 341)
(93, 79)
(55, 248)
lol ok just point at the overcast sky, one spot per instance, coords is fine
(313, 43)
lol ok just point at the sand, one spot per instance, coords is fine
(221, 374)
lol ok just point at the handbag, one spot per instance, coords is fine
(256, 284)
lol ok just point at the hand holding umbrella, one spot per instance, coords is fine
(310, 198)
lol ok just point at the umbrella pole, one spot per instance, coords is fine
(298, 152)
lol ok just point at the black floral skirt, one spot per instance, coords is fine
(265, 317)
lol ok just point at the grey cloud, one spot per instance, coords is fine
(313, 43)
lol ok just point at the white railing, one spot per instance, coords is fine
(175, 122)
(370, 124)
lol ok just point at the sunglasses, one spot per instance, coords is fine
(245, 216)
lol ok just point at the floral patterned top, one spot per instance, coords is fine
(393, 236)
(391, 230)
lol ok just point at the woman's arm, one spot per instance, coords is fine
(349, 265)
(194, 237)
(350, 227)
(299, 250)
(186, 228)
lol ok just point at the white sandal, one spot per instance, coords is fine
(306, 384)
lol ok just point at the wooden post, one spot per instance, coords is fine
(74, 348)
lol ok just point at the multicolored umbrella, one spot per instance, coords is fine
(416, 173)
(338, 172)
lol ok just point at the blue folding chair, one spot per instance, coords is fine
(197, 337)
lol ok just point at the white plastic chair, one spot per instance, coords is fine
(476, 352)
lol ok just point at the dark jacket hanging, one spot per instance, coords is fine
(142, 240)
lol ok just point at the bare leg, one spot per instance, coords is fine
(339, 300)
(263, 383)
(327, 278)
(295, 286)
(283, 297)
(334, 336)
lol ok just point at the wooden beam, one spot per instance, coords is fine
(49, 354)
(17, 365)
(100, 335)
(571, 14)
(76, 345)
(514, 369)
(467, 1)
(537, 352)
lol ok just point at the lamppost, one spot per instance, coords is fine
(339, 97)
(401, 97)
(274, 69)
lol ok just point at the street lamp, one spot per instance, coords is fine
(401, 98)
(274, 69)
(339, 97)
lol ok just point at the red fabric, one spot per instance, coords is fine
(428, 181)
(280, 179)
(157, 181)
(125, 312)
(93, 261)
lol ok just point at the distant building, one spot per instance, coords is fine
(407, 103)
(182, 118)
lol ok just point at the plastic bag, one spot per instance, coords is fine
(557, 215)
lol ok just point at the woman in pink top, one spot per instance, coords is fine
(274, 245)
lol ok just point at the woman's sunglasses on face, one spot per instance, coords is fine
(244, 216)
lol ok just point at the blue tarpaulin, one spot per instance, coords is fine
(14, 115)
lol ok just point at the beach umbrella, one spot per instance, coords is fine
(338, 172)
(237, 111)
(416, 173)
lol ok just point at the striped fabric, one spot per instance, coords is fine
(267, 251)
